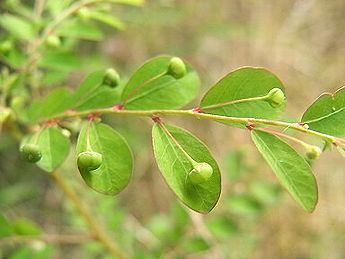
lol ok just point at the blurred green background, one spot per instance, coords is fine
(303, 42)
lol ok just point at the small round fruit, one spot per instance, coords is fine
(84, 13)
(89, 160)
(6, 46)
(111, 78)
(201, 173)
(31, 153)
(177, 68)
(313, 152)
(53, 41)
(276, 97)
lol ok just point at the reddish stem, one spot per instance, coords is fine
(197, 110)
(156, 119)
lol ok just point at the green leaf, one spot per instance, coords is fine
(78, 29)
(54, 77)
(56, 102)
(195, 244)
(17, 26)
(107, 19)
(14, 57)
(175, 167)
(53, 145)
(243, 83)
(64, 61)
(327, 113)
(151, 88)
(5, 227)
(222, 227)
(93, 94)
(56, 7)
(244, 205)
(25, 227)
(116, 169)
(291, 169)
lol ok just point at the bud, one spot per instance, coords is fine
(84, 13)
(53, 41)
(201, 173)
(6, 115)
(6, 46)
(177, 67)
(89, 161)
(313, 152)
(275, 97)
(111, 78)
(31, 153)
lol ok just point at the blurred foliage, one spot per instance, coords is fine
(301, 40)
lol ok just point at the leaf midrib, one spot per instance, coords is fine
(283, 170)
(185, 169)
(326, 116)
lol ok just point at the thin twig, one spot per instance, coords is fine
(48, 238)
(97, 232)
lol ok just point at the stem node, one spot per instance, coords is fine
(156, 119)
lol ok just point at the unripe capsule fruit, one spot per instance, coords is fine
(313, 152)
(89, 160)
(177, 68)
(201, 173)
(53, 41)
(111, 78)
(84, 13)
(275, 97)
(6, 46)
(31, 153)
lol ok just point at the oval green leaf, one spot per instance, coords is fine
(327, 113)
(53, 145)
(292, 170)
(56, 102)
(243, 83)
(175, 167)
(93, 94)
(150, 88)
(116, 169)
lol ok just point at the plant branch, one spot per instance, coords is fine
(280, 134)
(244, 121)
(48, 238)
(97, 232)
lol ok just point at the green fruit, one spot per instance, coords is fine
(313, 152)
(31, 153)
(53, 41)
(177, 68)
(111, 78)
(84, 13)
(17, 102)
(276, 97)
(201, 173)
(6, 115)
(89, 160)
(6, 46)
